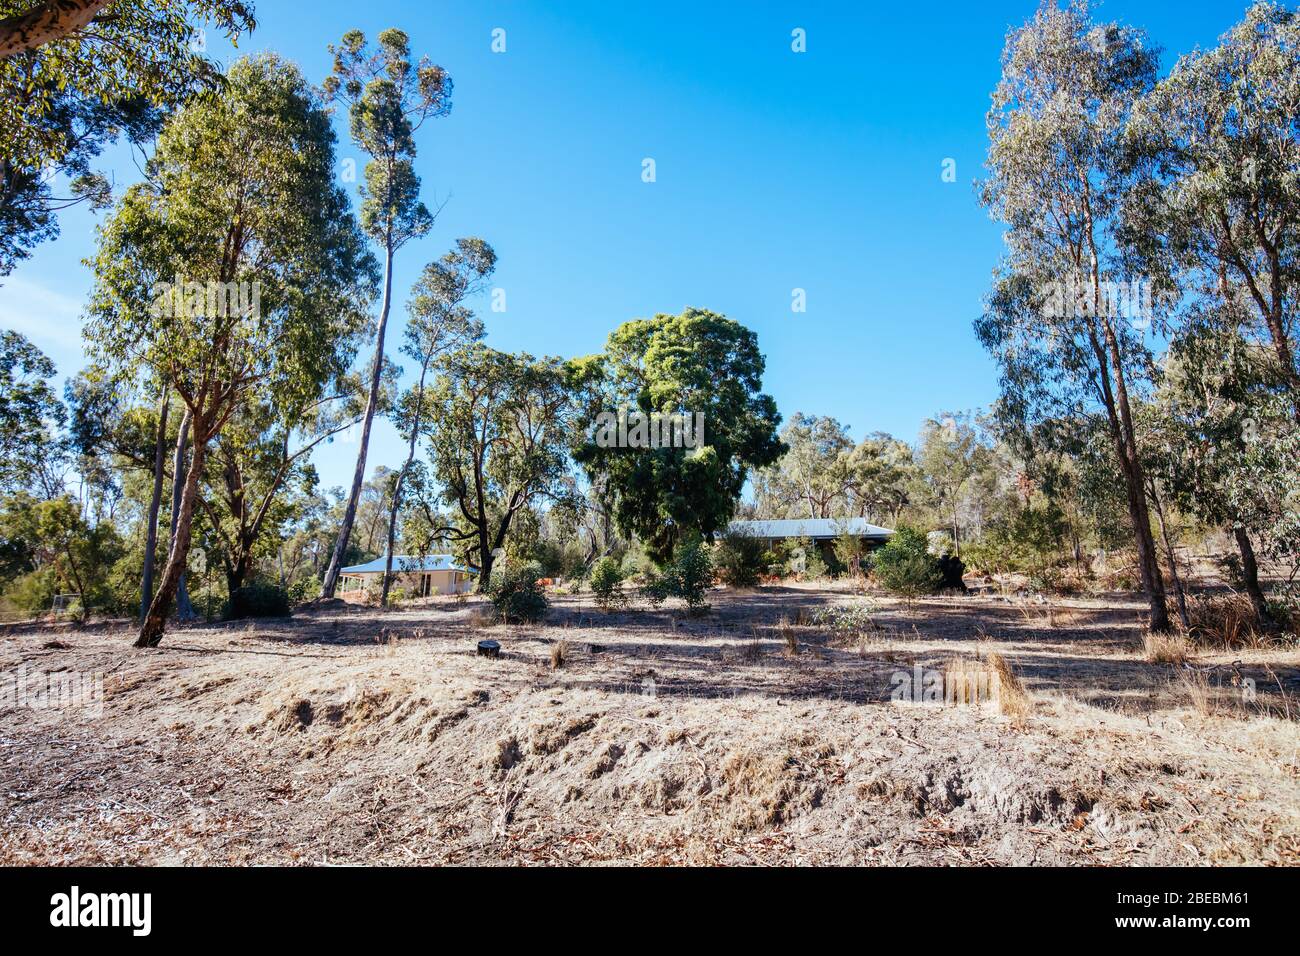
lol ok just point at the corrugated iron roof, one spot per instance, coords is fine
(810, 528)
(403, 563)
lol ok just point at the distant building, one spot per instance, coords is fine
(418, 577)
(818, 529)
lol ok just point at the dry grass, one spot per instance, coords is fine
(674, 741)
(1222, 621)
(559, 654)
(1166, 648)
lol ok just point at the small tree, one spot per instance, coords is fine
(516, 595)
(606, 580)
(739, 559)
(691, 575)
(905, 565)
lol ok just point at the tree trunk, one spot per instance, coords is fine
(397, 485)
(1172, 559)
(372, 401)
(184, 610)
(155, 502)
(155, 622)
(50, 20)
(1250, 574)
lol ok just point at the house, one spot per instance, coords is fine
(821, 531)
(417, 576)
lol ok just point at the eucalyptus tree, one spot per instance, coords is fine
(73, 78)
(260, 474)
(1220, 206)
(1056, 162)
(813, 478)
(439, 323)
(31, 417)
(231, 270)
(500, 446)
(389, 99)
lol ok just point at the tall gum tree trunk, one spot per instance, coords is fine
(151, 632)
(1250, 574)
(155, 503)
(359, 475)
(48, 21)
(397, 485)
(184, 610)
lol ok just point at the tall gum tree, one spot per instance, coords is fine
(389, 98)
(1055, 162)
(230, 271)
(439, 323)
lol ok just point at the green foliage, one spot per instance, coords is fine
(606, 584)
(739, 559)
(905, 566)
(698, 362)
(1027, 541)
(69, 98)
(56, 551)
(502, 420)
(516, 595)
(30, 414)
(691, 575)
(259, 600)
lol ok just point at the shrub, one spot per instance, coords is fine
(516, 596)
(692, 576)
(606, 580)
(656, 590)
(905, 565)
(739, 559)
(259, 600)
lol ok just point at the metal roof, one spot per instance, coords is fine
(403, 563)
(815, 528)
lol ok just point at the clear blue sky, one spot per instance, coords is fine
(775, 171)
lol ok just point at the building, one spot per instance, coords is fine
(418, 577)
(821, 531)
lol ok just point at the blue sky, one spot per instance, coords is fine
(775, 170)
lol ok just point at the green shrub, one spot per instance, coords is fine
(516, 595)
(606, 579)
(692, 575)
(739, 559)
(259, 600)
(905, 565)
(656, 589)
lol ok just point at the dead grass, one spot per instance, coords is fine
(559, 654)
(1165, 648)
(674, 740)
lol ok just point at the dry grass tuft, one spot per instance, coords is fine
(1013, 698)
(1165, 648)
(1222, 621)
(968, 681)
(559, 654)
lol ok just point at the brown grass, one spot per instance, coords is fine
(1167, 648)
(559, 654)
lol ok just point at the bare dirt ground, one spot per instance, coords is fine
(347, 735)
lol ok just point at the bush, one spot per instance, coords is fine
(739, 559)
(906, 567)
(656, 590)
(606, 580)
(259, 600)
(691, 575)
(516, 596)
